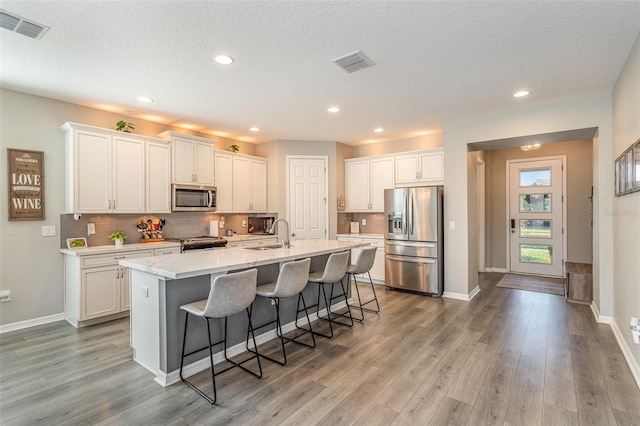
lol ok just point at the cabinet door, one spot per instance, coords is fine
(158, 177)
(377, 270)
(93, 172)
(357, 191)
(431, 167)
(224, 182)
(204, 163)
(128, 176)
(100, 291)
(182, 161)
(258, 186)
(125, 290)
(407, 169)
(381, 179)
(241, 184)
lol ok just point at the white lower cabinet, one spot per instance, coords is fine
(260, 242)
(97, 286)
(377, 270)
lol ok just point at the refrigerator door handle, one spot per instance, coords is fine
(410, 231)
(410, 259)
(404, 214)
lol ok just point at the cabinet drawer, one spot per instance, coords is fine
(260, 242)
(113, 258)
(168, 250)
(374, 242)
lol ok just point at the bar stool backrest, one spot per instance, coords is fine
(336, 267)
(231, 293)
(365, 260)
(292, 278)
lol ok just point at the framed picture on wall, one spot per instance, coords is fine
(25, 171)
(629, 166)
(636, 162)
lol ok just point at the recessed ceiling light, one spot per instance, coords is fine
(254, 129)
(333, 109)
(145, 99)
(521, 93)
(378, 130)
(224, 59)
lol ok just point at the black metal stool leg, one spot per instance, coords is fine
(213, 376)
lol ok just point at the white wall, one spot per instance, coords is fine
(525, 119)
(626, 209)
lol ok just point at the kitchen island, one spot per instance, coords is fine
(160, 285)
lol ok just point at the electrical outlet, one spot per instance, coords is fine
(49, 231)
(145, 291)
(452, 225)
(91, 228)
(5, 296)
(244, 223)
(364, 222)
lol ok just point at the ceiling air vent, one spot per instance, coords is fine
(353, 62)
(22, 26)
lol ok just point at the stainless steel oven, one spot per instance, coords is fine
(193, 198)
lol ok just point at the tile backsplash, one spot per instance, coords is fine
(375, 222)
(178, 225)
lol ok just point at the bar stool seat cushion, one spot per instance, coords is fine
(365, 261)
(316, 277)
(266, 290)
(195, 308)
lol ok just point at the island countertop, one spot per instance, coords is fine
(185, 265)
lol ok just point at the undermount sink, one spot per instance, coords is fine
(268, 247)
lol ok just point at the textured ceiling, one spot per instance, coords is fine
(435, 61)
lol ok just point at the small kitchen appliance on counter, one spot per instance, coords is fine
(355, 227)
(259, 224)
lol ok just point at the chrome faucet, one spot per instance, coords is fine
(285, 243)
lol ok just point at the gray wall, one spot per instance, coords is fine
(30, 265)
(626, 209)
(579, 182)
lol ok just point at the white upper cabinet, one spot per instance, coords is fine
(249, 184)
(224, 181)
(366, 180)
(158, 162)
(115, 172)
(192, 158)
(420, 168)
(105, 170)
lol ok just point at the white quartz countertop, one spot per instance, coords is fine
(108, 249)
(178, 266)
(379, 236)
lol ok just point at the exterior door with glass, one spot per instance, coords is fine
(536, 216)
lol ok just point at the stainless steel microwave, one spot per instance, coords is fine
(193, 198)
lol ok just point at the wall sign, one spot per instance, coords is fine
(26, 184)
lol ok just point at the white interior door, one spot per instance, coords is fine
(536, 216)
(307, 202)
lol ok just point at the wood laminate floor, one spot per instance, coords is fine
(509, 357)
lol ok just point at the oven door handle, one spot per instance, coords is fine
(410, 259)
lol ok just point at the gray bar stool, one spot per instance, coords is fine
(334, 271)
(292, 279)
(364, 265)
(229, 295)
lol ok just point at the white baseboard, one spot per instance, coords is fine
(626, 351)
(5, 328)
(203, 364)
(600, 318)
(501, 270)
(462, 296)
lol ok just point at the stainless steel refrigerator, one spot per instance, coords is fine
(414, 243)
